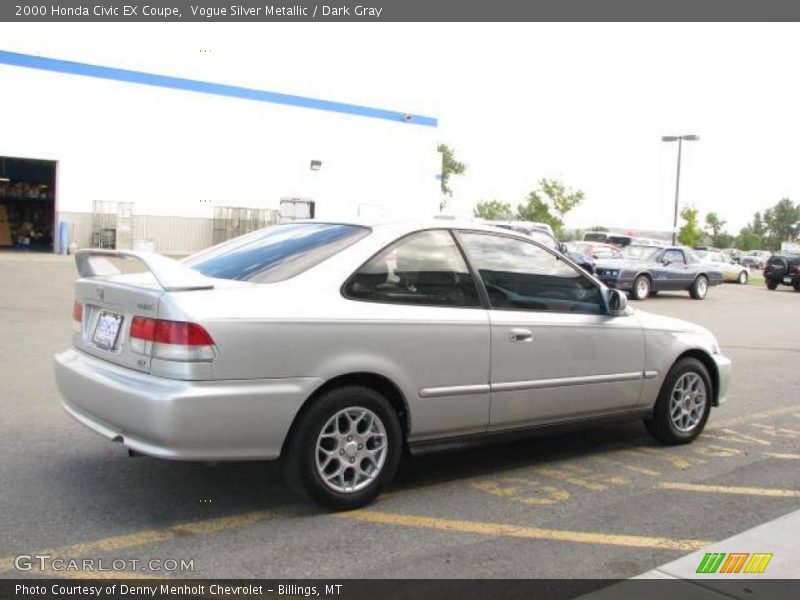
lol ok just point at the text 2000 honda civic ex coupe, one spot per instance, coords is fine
(336, 346)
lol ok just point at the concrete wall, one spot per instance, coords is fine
(172, 235)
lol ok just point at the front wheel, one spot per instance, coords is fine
(345, 449)
(683, 404)
(772, 284)
(742, 278)
(699, 288)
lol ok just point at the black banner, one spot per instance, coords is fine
(433, 589)
(399, 10)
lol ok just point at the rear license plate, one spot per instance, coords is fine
(107, 329)
(787, 280)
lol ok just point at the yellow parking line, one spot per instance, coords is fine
(729, 489)
(735, 436)
(783, 456)
(676, 461)
(516, 531)
(634, 468)
(756, 416)
(149, 536)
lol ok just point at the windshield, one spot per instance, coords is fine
(275, 253)
(640, 252)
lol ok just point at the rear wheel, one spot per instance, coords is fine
(345, 448)
(742, 279)
(699, 288)
(772, 284)
(683, 404)
(641, 288)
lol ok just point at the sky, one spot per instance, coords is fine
(584, 103)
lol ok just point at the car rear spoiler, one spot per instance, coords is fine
(170, 274)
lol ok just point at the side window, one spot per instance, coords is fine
(674, 257)
(424, 268)
(521, 275)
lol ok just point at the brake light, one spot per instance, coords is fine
(171, 340)
(77, 316)
(185, 334)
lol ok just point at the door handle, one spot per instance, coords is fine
(520, 335)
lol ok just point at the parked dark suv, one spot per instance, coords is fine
(783, 269)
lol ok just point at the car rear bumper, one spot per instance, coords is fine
(181, 420)
(723, 364)
(792, 279)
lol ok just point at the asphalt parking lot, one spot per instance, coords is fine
(605, 502)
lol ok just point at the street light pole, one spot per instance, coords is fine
(679, 139)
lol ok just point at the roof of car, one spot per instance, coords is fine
(414, 224)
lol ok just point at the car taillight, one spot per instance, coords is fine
(171, 340)
(77, 316)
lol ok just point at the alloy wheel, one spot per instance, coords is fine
(688, 402)
(351, 449)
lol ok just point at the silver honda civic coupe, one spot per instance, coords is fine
(337, 346)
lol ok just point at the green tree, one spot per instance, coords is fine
(714, 227)
(494, 210)
(758, 225)
(748, 239)
(572, 235)
(690, 233)
(450, 166)
(781, 222)
(725, 240)
(536, 209)
(549, 204)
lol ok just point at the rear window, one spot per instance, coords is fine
(619, 240)
(275, 253)
(595, 237)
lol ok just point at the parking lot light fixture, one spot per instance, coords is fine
(690, 137)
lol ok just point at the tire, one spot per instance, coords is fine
(699, 288)
(641, 288)
(330, 433)
(671, 423)
(742, 279)
(772, 284)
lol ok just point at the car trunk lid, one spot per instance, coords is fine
(108, 300)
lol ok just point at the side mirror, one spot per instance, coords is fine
(666, 262)
(617, 303)
(563, 248)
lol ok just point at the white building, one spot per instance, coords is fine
(176, 148)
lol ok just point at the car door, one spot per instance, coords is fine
(417, 313)
(556, 352)
(675, 270)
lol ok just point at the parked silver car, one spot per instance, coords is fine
(731, 271)
(336, 346)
